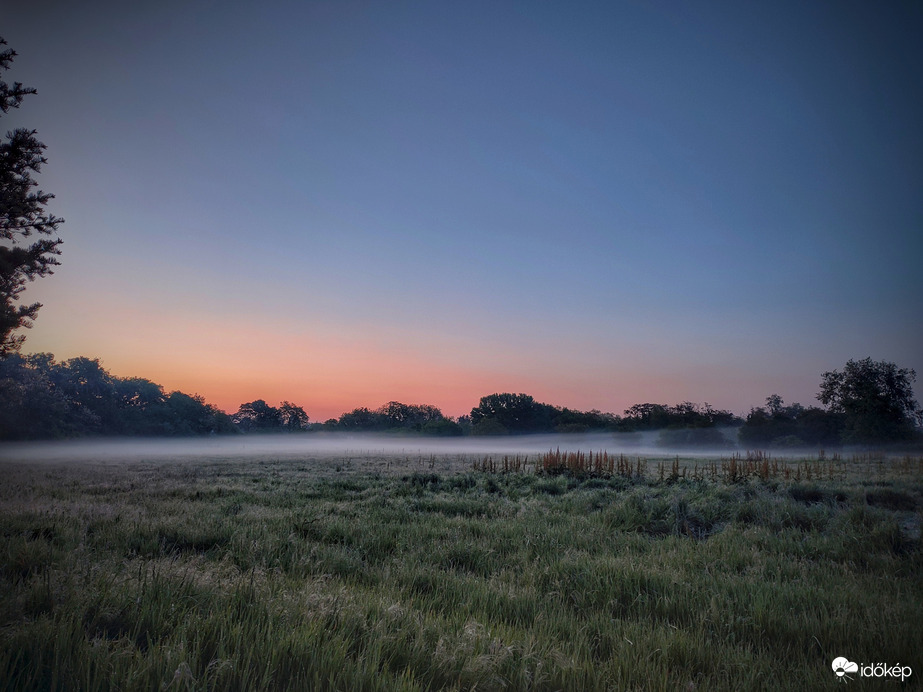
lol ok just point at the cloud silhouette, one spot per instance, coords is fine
(842, 665)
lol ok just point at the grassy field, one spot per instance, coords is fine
(449, 573)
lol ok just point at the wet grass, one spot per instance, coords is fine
(274, 575)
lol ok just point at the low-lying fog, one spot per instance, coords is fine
(341, 444)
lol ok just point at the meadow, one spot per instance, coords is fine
(460, 572)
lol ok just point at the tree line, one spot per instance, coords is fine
(867, 402)
(40, 398)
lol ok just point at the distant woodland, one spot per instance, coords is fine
(866, 403)
(40, 398)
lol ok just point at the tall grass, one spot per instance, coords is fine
(588, 574)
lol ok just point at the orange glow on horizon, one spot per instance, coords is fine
(331, 369)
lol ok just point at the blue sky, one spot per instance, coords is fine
(345, 203)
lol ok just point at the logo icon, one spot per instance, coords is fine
(841, 666)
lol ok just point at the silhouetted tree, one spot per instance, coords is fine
(571, 421)
(22, 214)
(396, 415)
(140, 405)
(489, 426)
(361, 419)
(258, 416)
(761, 428)
(875, 398)
(293, 418)
(646, 417)
(30, 405)
(442, 427)
(40, 398)
(774, 404)
(777, 425)
(684, 415)
(516, 413)
(464, 423)
(90, 391)
(183, 414)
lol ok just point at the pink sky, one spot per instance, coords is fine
(329, 368)
(434, 202)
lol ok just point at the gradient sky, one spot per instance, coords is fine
(596, 203)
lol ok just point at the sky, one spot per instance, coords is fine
(341, 204)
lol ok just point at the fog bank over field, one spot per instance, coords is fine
(342, 444)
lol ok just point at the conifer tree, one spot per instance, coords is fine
(28, 246)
